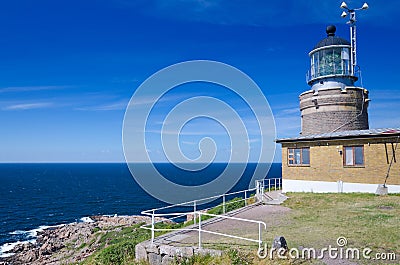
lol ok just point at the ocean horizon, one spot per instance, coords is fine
(36, 196)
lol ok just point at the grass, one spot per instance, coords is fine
(117, 247)
(365, 220)
(316, 220)
(235, 203)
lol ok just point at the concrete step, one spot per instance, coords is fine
(274, 198)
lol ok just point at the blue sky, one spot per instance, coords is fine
(69, 68)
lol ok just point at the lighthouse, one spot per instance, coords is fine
(336, 151)
(333, 103)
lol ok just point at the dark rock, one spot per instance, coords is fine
(50, 243)
(279, 242)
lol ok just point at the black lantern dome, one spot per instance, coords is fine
(331, 39)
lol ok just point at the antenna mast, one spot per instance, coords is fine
(352, 23)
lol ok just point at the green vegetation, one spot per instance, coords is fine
(118, 247)
(231, 205)
(365, 220)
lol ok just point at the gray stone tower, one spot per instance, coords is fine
(333, 103)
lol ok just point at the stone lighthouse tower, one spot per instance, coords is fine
(333, 103)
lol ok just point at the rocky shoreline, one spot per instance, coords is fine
(69, 243)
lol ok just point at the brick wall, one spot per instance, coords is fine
(326, 163)
(332, 108)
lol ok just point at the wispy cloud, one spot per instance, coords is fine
(119, 105)
(289, 111)
(251, 141)
(189, 143)
(30, 88)
(29, 106)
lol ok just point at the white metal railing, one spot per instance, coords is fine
(261, 185)
(259, 240)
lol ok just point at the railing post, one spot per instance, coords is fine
(223, 204)
(259, 236)
(257, 188)
(199, 230)
(269, 185)
(245, 198)
(152, 228)
(275, 183)
(194, 212)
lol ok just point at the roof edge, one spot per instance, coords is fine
(363, 134)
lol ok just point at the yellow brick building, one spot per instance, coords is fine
(346, 161)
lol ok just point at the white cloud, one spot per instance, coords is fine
(30, 88)
(119, 105)
(28, 106)
(251, 141)
(189, 143)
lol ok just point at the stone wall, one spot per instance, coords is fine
(326, 162)
(157, 254)
(333, 108)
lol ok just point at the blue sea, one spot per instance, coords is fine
(36, 196)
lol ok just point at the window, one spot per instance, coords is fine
(330, 61)
(353, 156)
(299, 156)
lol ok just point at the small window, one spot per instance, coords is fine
(353, 156)
(299, 156)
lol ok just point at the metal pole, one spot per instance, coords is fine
(194, 212)
(223, 204)
(269, 184)
(391, 161)
(152, 228)
(199, 230)
(259, 236)
(245, 198)
(352, 23)
(262, 193)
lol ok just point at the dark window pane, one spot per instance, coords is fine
(359, 155)
(306, 156)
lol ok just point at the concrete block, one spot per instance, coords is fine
(166, 260)
(154, 259)
(167, 250)
(140, 252)
(152, 248)
(184, 251)
(381, 190)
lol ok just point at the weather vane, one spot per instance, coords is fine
(352, 23)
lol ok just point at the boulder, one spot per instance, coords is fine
(279, 242)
